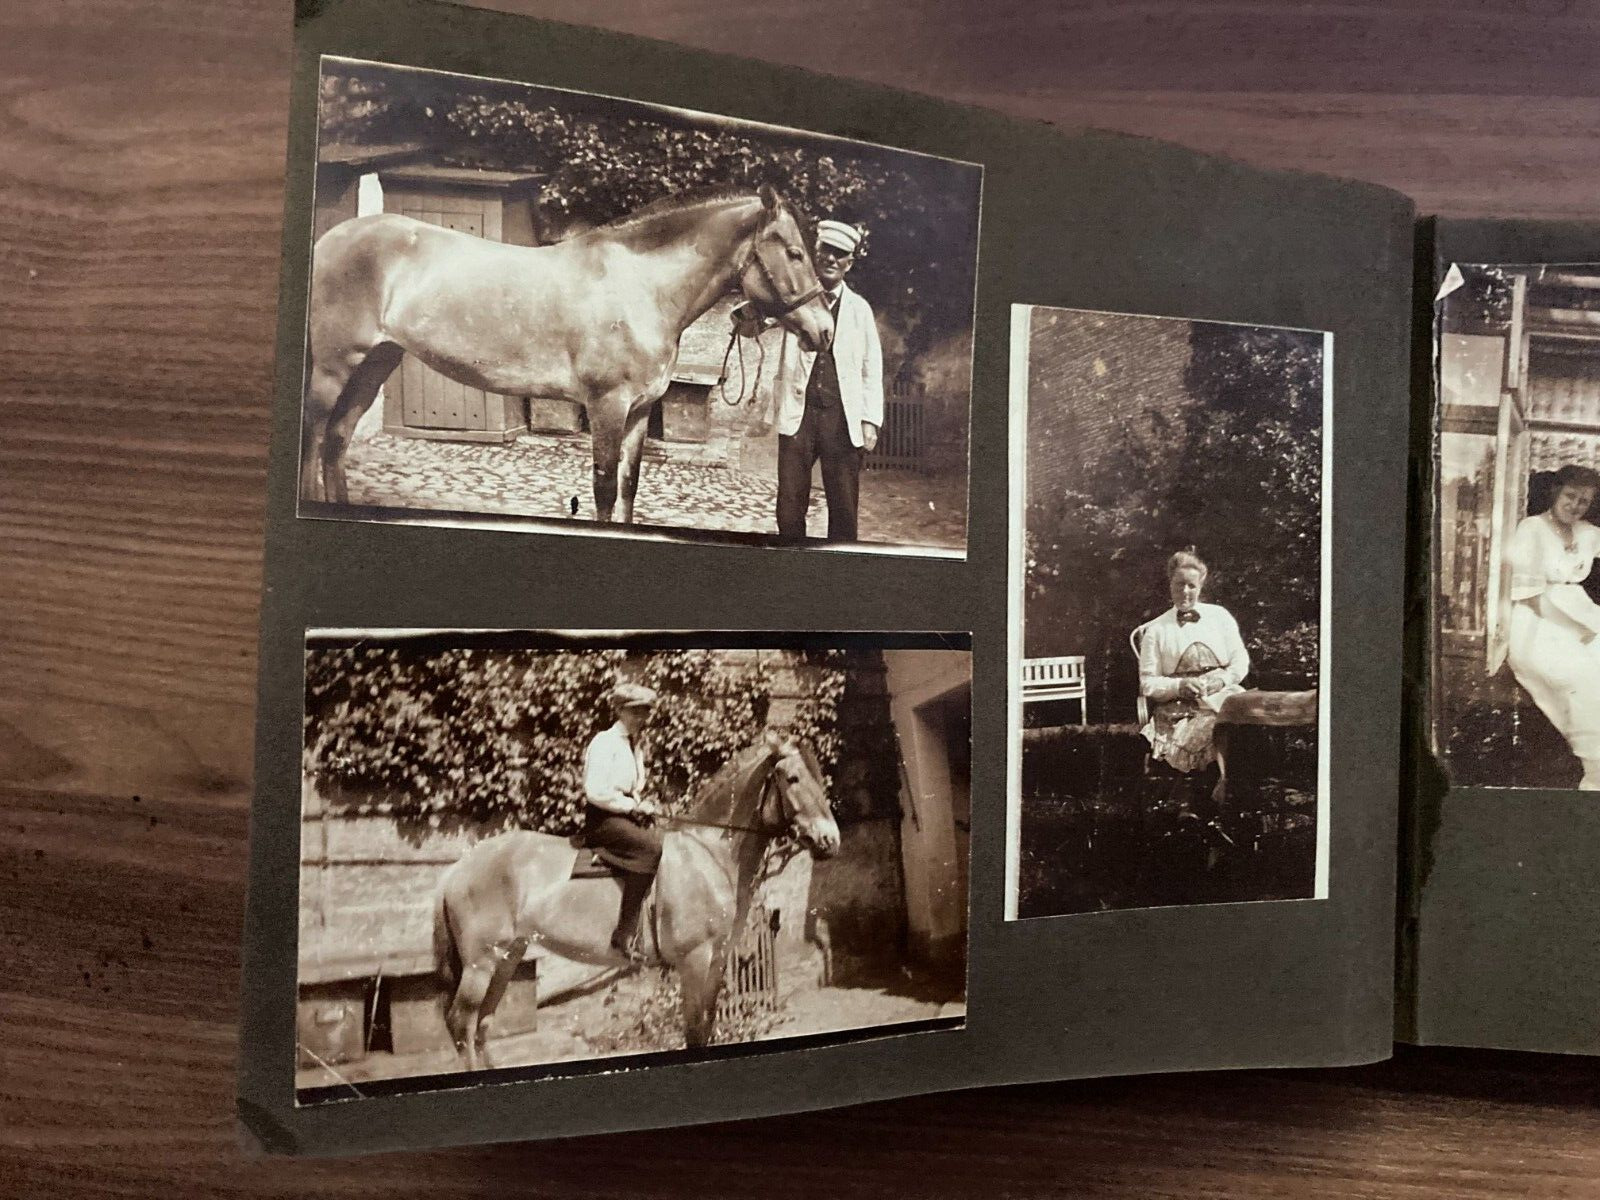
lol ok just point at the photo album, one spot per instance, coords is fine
(781, 593)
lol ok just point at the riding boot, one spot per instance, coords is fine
(625, 940)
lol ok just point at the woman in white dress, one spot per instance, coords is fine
(1554, 652)
(1191, 658)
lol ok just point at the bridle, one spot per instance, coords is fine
(787, 812)
(775, 309)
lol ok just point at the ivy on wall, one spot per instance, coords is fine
(447, 738)
(600, 158)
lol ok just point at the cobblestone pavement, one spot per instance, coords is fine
(538, 476)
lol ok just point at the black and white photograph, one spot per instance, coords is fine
(1516, 663)
(1169, 612)
(561, 312)
(524, 852)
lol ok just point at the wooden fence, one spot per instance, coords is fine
(750, 983)
(903, 440)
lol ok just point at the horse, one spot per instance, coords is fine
(517, 891)
(593, 319)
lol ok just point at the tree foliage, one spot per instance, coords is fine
(600, 159)
(446, 738)
(1236, 473)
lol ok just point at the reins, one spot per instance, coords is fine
(769, 831)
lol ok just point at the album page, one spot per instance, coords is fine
(1504, 833)
(781, 593)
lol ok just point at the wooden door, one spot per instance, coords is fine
(428, 400)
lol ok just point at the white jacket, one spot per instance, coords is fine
(858, 355)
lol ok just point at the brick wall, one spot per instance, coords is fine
(1085, 371)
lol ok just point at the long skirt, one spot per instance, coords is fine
(621, 841)
(1557, 661)
(1181, 734)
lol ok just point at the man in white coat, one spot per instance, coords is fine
(827, 405)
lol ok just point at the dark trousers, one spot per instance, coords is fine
(824, 433)
(631, 848)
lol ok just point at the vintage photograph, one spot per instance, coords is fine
(1516, 664)
(525, 852)
(1169, 592)
(576, 313)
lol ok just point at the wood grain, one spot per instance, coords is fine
(141, 150)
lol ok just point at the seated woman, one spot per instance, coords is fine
(1553, 650)
(617, 818)
(1191, 658)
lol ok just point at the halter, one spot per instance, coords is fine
(774, 309)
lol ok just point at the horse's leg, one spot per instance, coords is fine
(700, 974)
(633, 435)
(359, 392)
(605, 430)
(506, 961)
(464, 1017)
(322, 397)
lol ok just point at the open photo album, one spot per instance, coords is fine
(781, 593)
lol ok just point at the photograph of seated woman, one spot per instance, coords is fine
(1191, 658)
(1553, 651)
(1169, 587)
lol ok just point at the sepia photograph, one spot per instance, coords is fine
(1516, 664)
(532, 853)
(563, 312)
(1169, 612)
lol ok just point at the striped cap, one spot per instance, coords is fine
(839, 235)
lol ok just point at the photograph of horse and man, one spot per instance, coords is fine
(525, 851)
(590, 314)
(1169, 600)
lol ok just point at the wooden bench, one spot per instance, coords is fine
(1059, 678)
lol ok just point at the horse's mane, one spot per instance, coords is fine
(662, 218)
(717, 791)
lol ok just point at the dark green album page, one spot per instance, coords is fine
(1071, 222)
(1500, 946)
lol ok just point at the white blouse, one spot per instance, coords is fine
(1541, 558)
(1166, 638)
(1546, 570)
(613, 771)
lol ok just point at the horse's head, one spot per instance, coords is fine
(779, 278)
(796, 779)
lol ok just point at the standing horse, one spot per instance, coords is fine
(518, 888)
(594, 319)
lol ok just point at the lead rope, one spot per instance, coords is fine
(740, 398)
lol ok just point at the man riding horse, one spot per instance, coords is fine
(618, 821)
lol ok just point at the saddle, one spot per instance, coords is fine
(589, 864)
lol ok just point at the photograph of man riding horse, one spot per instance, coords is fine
(542, 286)
(532, 849)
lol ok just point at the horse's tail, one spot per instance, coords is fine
(446, 958)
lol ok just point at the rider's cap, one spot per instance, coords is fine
(838, 235)
(632, 695)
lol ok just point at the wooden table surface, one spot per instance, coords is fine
(141, 150)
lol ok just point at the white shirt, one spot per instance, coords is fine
(613, 771)
(1165, 639)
